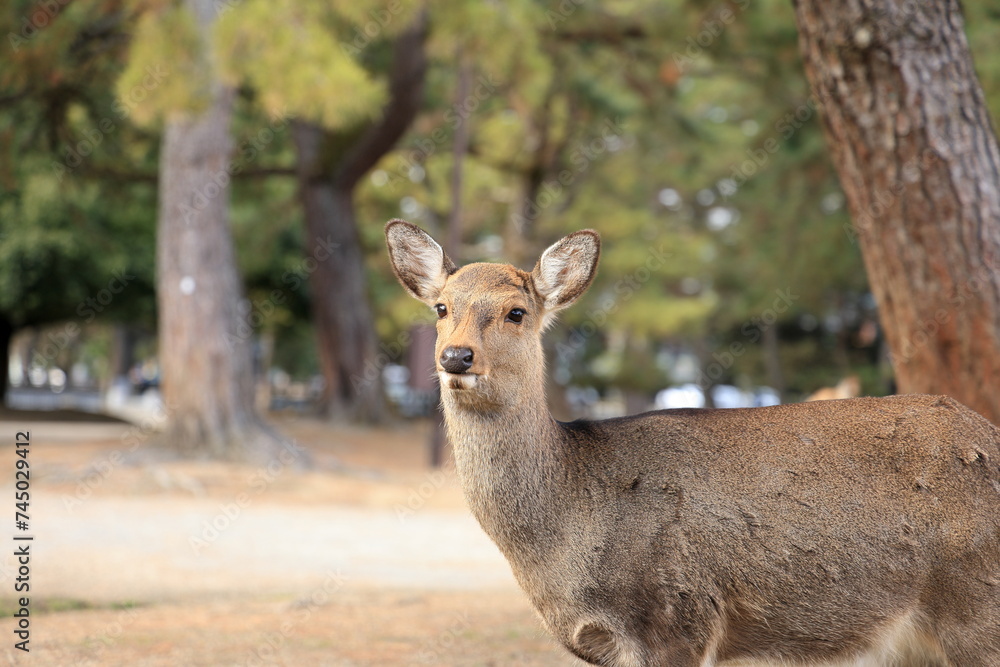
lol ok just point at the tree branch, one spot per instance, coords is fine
(406, 87)
(100, 172)
(14, 98)
(264, 172)
(605, 35)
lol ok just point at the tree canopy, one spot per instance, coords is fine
(683, 131)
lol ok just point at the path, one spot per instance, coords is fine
(370, 560)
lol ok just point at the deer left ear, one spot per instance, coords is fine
(566, 269)
(418, 261)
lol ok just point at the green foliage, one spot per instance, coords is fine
(72, 246)
(636, 99)
(681, 130)
(981, 20)
(62, 244)
(167, 66)
(302, 60)
(296, 63)
(504, 39)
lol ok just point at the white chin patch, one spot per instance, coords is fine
(463, 381)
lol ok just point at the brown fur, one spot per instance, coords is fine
(861, 532)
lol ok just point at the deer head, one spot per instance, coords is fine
(491, 316)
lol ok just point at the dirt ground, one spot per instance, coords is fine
(370, 558)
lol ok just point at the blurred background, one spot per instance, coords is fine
(682, 131)
(195, 194)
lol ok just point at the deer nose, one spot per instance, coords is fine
(456, 359)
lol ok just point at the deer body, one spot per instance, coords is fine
(836, 532)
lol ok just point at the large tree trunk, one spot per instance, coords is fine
(330, 164)
(205, 356)
(345, 329)
(907, 124)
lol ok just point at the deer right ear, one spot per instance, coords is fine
(567, 268)
(417, 260)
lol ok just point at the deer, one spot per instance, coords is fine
(848, 387)
(861, 531)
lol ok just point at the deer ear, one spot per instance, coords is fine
(417, 260)
(567, 268)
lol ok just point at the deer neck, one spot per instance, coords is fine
(508, 463)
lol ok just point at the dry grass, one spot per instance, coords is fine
(369, 559)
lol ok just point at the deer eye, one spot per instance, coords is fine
(441, 310)
(516, 315)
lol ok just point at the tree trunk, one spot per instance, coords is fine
(519, 233)
(908, 128)
(345, 329)
(205, 364)
(6, 336)
(123, 340)
(329, 167)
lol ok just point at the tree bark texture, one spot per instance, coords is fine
(345, 328)
(908, 128)
(206, 365)
(329, 165)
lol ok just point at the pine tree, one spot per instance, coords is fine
(907, 123)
